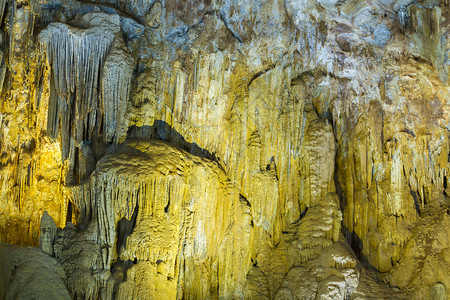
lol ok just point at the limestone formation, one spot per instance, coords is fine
(48, 233)
(28, 273)
(266, 149)
(91, 74)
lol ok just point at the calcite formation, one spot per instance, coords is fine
(90, 80)
(29, 273)
(48, 233)
(264, 149)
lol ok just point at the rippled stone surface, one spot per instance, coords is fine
(199, 149)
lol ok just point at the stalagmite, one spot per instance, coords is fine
(48, 234)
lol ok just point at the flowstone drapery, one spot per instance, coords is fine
(90, 81)
(265, 149)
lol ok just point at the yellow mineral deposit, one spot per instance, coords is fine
(261, 149)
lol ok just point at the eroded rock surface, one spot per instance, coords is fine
(199, 149)
(28, 273)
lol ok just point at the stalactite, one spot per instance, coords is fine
(76, 57)
(2, 9)
(3, 69)
(162, 190)
(90, 83)
(116, 81)
(298, 104)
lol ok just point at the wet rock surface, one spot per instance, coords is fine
(199, 149)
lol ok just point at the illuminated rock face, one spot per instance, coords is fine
(198, 149)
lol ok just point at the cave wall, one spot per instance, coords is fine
(278, 110)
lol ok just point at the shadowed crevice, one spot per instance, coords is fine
(161, 130)
(124, 229)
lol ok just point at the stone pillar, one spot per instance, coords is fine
(48, 233)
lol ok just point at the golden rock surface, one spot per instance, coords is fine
(226, 149)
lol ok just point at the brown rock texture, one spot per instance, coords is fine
(264, 149)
